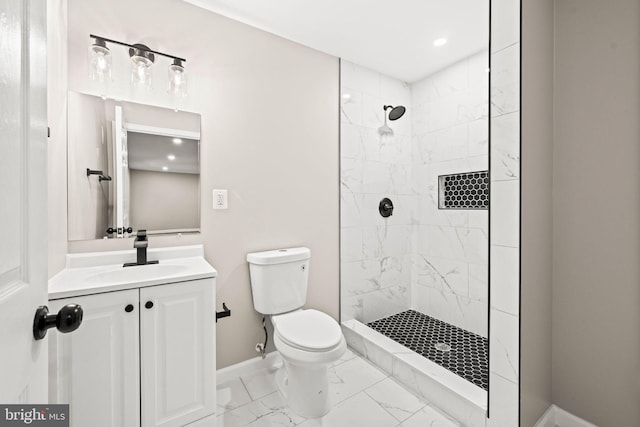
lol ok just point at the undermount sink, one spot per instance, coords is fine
(136, 273)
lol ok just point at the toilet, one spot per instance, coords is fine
(308, 340)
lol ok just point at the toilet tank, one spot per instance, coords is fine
(279, 279)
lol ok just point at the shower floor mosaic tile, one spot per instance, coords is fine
(461, 352)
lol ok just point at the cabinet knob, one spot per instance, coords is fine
(149, 304)
(129, 308)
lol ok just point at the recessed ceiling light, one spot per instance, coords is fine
(171, 157)
(164, 168)
(177, 141)
(440, 42)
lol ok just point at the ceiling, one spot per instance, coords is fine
(150, 152)
(392, 37)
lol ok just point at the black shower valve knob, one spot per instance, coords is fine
(385, 207)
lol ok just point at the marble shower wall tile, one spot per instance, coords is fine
(505, 214)
(505, 17)
(458, 243)
(359, 78)
(479, 137)
(505, 159)
(503, 402)
(351, 106)
(352, 141)
(504, 345)
(443, 274)
(389, 240)
(479, 282)
(505, 197)
(504, 279)
(505, 81)
(370, 275)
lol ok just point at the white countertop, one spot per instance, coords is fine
(97, 272)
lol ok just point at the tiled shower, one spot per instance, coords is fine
(422, 259)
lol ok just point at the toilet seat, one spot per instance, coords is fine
(308, 330)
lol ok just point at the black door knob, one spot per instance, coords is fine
(129, 308)
(149, 304)
(67, 320)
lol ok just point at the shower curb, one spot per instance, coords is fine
(455, 396)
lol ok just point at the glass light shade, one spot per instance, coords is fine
(177, 80)
(99, 62)
(141, 71)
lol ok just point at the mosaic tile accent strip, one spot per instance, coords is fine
(464, 190)
(461, 352)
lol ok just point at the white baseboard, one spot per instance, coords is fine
(248, 367)
(558, 417)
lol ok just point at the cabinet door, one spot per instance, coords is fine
(96, 369)
(177, 333)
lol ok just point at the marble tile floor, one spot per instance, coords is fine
(363, 396)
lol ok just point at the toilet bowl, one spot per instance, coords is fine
(309, 341)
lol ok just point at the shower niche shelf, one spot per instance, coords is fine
(468, 190)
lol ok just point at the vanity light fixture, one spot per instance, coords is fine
(142, 60)
(165, 168)
(171, 157)
(177, 141)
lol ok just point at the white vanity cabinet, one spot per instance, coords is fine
(141, 357)
(96, 369)
(177, 349)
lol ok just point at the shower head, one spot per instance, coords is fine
(396, 112)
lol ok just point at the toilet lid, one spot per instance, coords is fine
(309, 329)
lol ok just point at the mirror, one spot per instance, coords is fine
(130, 167)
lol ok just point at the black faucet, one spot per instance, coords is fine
(140, 244)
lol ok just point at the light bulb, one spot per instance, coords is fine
(177, 79)
(99, 62)
(142, 60)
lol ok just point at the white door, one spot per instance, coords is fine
(96, 369)
(177, 335)
(23, 199)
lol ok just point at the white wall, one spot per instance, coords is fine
(269, 135)
(176, 195)
(376, 251)
(537, 208)
(450, 136)
(596, 211)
